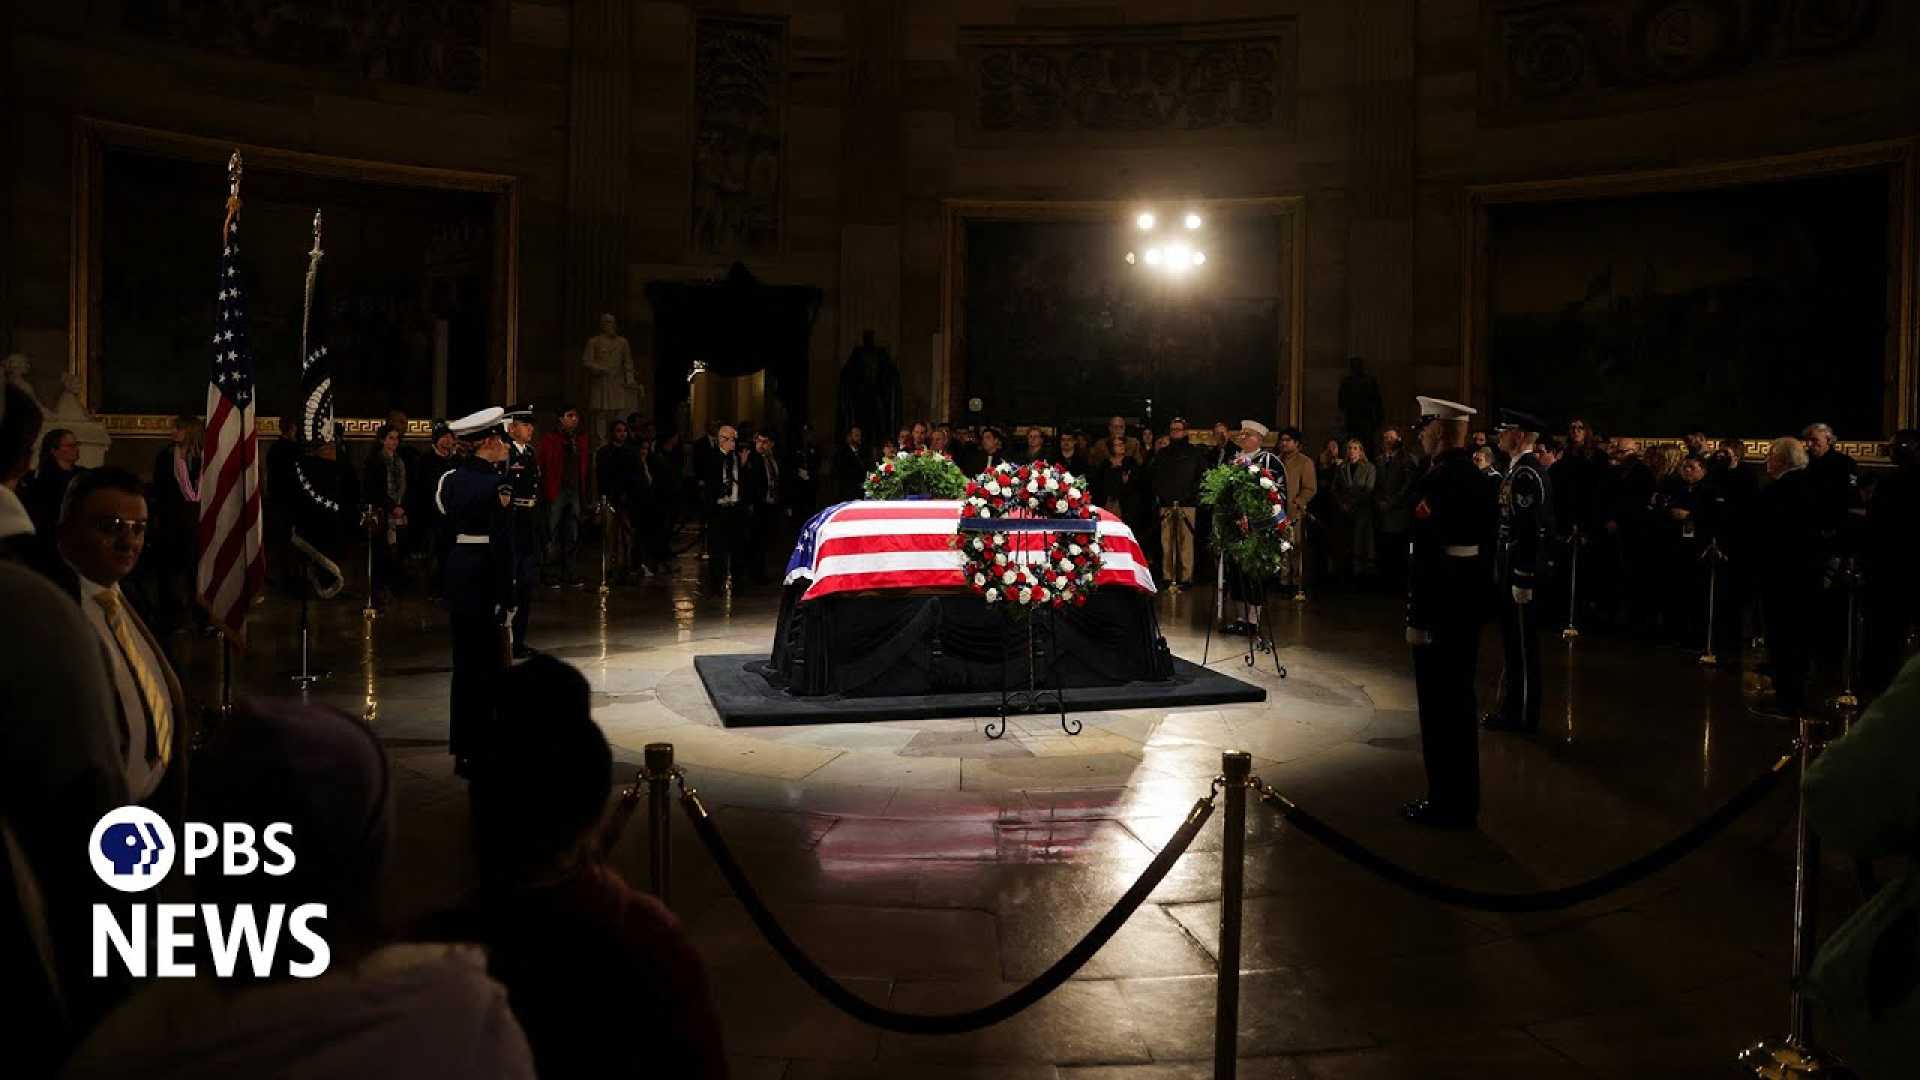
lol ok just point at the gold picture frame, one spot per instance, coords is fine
(1290, 352)
(1900, 407)
(93, 137)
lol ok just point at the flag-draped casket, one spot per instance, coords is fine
(876, 605)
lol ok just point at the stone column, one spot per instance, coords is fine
(872, 164)
(1380, 145)
(599, 142)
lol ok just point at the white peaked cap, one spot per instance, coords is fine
(1433, 408)
(1254, 426)
(477, 424)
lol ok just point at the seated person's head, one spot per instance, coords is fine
(543, 801)
(321, 772)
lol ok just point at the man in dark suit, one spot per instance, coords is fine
(102, 532)
(728, 508)
(850, 465)
(1790, 588)
(767, 489)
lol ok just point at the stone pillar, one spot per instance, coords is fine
(872, 165)
(1380, 146)
(599, 143)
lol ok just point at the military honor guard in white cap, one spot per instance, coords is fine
(478, 582)
(1251, 593)
(1520, 567)
(1448, 575)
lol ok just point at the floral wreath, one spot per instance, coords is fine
(1249, 517)
(925, 473)
(993, 568)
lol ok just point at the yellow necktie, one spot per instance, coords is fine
(151, 690)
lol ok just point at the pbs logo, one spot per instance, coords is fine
(132, 849)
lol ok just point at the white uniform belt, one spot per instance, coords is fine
(472, 538)
(524, 502)
(1462, 551)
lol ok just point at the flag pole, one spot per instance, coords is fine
(225, 710)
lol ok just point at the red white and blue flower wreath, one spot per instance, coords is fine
(997, 570)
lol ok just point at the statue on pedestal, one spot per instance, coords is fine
(613, 390)
(869, 391)
(70, 412)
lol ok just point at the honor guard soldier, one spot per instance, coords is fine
(1526, 513)
(1453, 526)
(1251, 592)
(477, 577)
(523, 472)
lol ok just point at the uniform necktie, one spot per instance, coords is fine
(147, 679)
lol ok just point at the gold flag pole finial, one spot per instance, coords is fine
(234, 169)
(316, 233)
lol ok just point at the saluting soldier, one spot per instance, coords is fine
(523, 472)
(1526, 512)
(1454, 520)
(477, 577)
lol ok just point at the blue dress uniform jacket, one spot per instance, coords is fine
(1454, 523)
(477, 575)
(1526, 512)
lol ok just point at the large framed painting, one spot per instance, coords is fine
(419, 266)
(1746, 300)
(1057, 315)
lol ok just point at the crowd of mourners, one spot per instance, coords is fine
(554, 963)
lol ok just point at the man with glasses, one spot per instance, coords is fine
(102, 531)
(727, 507)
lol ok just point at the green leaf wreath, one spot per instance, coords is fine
(1249, 517)
(924, 473)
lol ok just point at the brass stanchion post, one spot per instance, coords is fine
(1713, 557)
(1847, 702)
(658, 758)
(605, 509)
(1795, 1057)
(1236, 766)
(1573, 585)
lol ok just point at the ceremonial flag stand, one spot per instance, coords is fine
(230, 562)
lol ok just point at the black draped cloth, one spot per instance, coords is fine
(737, 326)
(886, 645)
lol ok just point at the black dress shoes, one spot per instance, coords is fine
(1424, 812)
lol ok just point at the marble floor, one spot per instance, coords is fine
(932, 869)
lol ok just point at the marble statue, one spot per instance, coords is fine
(613, 390)
(69, 412)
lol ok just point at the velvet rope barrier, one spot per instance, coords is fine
(1547, 900)
(947, 1023)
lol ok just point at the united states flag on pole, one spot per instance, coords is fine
(232, 560)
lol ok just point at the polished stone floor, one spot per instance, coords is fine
(932, 869)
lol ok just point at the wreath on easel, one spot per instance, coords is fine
(995, 565)
(1249, 517)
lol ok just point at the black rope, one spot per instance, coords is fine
(1551, 899)
(948, 1023)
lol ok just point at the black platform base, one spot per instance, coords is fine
(740, 689)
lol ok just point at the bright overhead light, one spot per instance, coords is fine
(1153, 256)
(1145, 220)
(1179, 258)
(1199, 257)
(1193, 220)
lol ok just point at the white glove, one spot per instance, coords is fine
(1522, 596)
(1419, 637)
